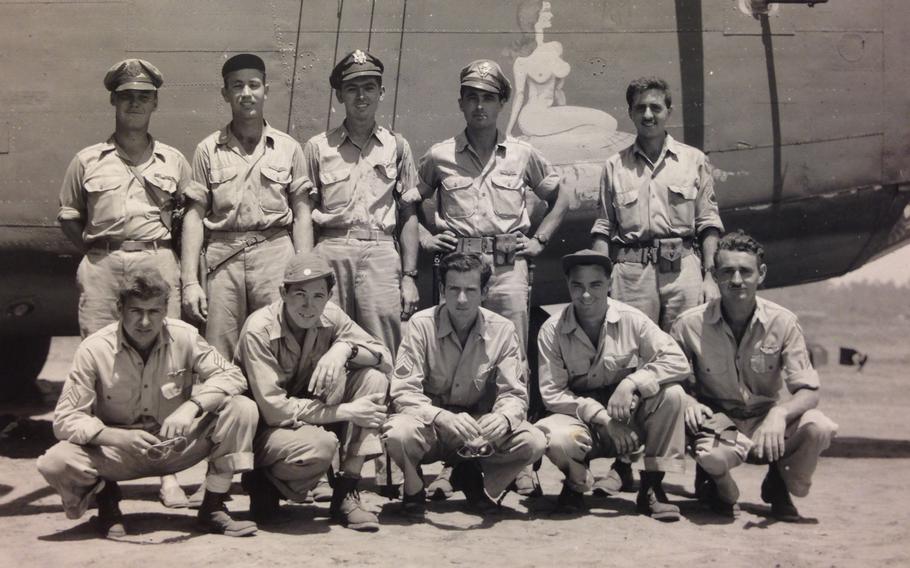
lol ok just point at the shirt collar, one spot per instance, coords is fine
(568, 323)
(111, 146)
(462, 144)
(444, 325)
(163, 337)
(714, 312)
(340, 134)
(671, 146)
(225, 135)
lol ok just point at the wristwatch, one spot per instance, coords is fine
(412, 273)
(354, 351)
(542, 239)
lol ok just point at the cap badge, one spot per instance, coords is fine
(360, 57)
(307, 272)
(133, 69)
(484, 69)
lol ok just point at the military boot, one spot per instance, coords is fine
(265, 499)
(774, 492)
(652, 500)
(347, 509)
(618, 479)
(468, 477)
(213, 517)
(110, 519)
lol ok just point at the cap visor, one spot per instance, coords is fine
(480, 85)
(136, 87)
(367, 73)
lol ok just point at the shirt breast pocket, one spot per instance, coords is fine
(626, 207)
(508, 195)
(336, 191)
(105, 203)
(681, 199)
(459, 197)
(222, 182)
(767, 360)
(275, 178)
(618, 367)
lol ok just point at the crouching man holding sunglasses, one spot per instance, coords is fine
(128, 410)
(460, 393)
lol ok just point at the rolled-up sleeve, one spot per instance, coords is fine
(797, 370)
(264, 373)
(541, 176)
(665, 361)
(301, 182)
(216, 374)
(411, 369)
(187, 186)
(511, 383)
(707, 212)
(201, 168)
(604, 224)
(74, 420)
(427, 175)
(554, 379)
(72, 197)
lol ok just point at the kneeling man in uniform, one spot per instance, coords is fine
(318, 378)
(460, 393)
(743, 350)
(610, 377)
(129, 410)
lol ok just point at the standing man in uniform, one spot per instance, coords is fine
(610, 376)
(743, 350)
(360, 173)
(317, 377)
(460, 393)
(659, 222)
(129, 409)
(253, 213)
(116, 204)
(482, 179)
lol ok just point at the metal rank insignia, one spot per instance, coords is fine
(134, 69)
(360, 57)
(484, 69)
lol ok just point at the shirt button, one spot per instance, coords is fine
(145, 386)
(145, 410)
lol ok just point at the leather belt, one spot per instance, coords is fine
(358, 234)
(250, 236)
(475, 244)
(645, 252)
(131, 246)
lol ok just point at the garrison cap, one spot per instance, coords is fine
(133, 75)
(306, 266)
(587, 256)
(486, 75)
(242, 61)
(356, 64)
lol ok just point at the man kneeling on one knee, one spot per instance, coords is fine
(126, 412)
(317, 378)
(743, 350)
(609, 375)
(459, 390)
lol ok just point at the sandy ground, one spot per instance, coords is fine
(858, 513)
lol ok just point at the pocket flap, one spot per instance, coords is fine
(222, 175)
(513, 182)
(684, 191)
(163, 182)
(276, 173)
(620, 362)
(328, 178)
(453, 183)
(98, 184)
(626, 197)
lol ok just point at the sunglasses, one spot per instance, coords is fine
(484, 450)
(163, 449)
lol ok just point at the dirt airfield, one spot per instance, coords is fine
(858, 513)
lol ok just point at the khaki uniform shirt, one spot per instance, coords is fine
(631, 346)
(476, 199)
(358, 188)
(279, 368)
(744, 380)
(110, 385)
(120, 202)
(673, 197)
(249, 192)
(433, 372)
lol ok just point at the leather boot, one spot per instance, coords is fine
(347, 509)
(265, 499)
(619, 479)
(441, 487)
(213, 517)
(652, 500)
(570, 501)
(110, 519)
(468, 477)
(774, 491)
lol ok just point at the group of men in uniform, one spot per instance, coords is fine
(300, 265)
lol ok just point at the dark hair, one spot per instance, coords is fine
(740, 242)
(143, 283)
(465, 262)
(642, 84)
(461, 90)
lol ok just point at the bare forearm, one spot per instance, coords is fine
(802, 401)
(72, 229)
(709, 238)
(409, 239)
(191, 243)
